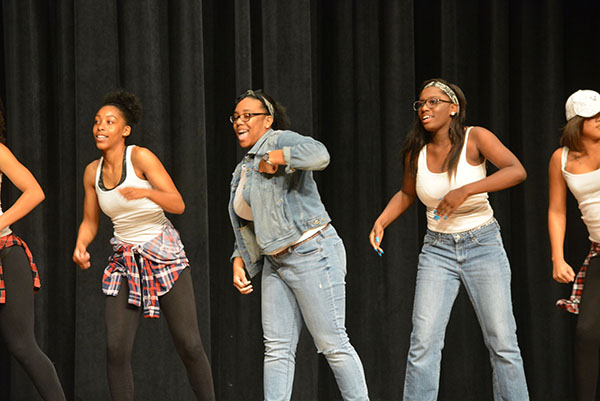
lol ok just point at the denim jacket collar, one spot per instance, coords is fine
(254, 150)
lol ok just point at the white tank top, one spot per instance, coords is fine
(134, 221)
(432, 187)
(240, 206)
(586, 189)
(5, 230)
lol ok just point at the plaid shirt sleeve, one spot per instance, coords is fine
(13, 240)
(572, 304)
(151, 269)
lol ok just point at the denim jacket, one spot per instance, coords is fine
(285, 204)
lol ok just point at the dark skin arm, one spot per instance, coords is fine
(557, 220)
(91, 213)
(483, 144)
(163, 191)
(399, 203)
(32, 194)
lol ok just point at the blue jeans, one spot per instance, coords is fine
(478, 260)
(308, 283)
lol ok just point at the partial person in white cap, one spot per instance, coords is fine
(576, 165)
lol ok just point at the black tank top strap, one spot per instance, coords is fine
(123, 173)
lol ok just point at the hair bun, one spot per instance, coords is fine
(127, 102)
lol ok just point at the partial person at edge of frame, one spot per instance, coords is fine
(131, 186)
(576, 166)
(445, 167)
(19, 278)
(281, 226)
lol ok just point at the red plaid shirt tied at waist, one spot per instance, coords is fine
(158, 265)
(12, 240)
(572, 304)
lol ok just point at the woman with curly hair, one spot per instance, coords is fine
(19, 278)
(149, 271)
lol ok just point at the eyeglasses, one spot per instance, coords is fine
(431, 103)
(245, 117)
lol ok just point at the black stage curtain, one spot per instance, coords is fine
(348, 72)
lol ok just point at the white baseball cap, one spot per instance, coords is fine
(584, 103)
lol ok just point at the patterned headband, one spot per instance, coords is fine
(258, 96)
(446, 89)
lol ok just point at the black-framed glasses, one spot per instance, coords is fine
(245, 117)
(431, 102)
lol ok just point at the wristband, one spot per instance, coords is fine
(266, 159)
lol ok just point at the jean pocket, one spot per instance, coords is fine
(307, 248)
(430, 240)
(249, 239)
(487, 239)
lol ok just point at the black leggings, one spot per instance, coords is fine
(179, 308)
(587, 335)
(17, 324)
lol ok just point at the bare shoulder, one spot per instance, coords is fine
(481, 134)
(4, 150)
(89, 174)
(92, 165)
(555, 160)
(557, 154)
(6, 155)
(141, 156)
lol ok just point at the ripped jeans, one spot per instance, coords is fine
(308, 284)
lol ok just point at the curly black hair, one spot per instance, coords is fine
(127, 102)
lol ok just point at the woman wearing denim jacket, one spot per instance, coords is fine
(445, 166)
(281, 226)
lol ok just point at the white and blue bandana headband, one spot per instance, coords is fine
(447, 90)
(258, 96)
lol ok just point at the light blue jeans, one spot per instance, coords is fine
(478, 260)
(308, 283)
